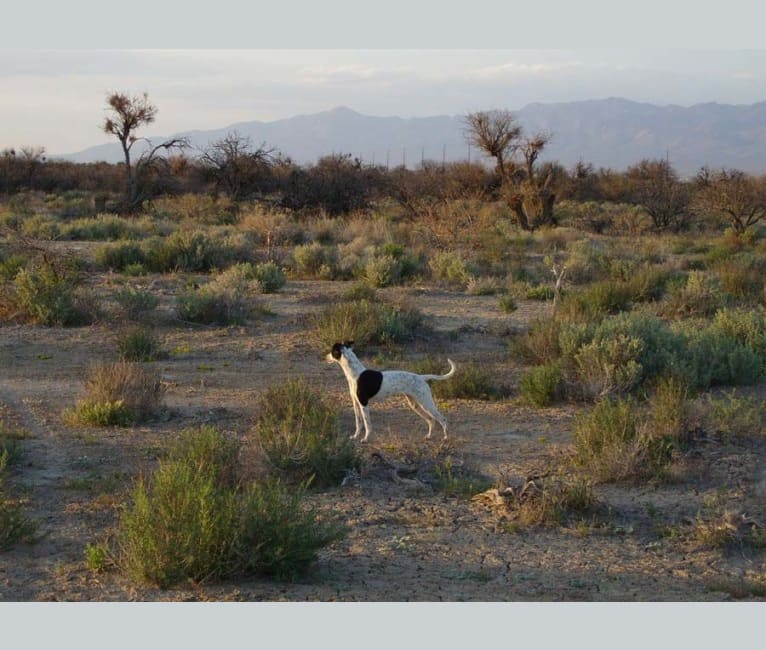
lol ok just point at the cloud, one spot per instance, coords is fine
(525, 70)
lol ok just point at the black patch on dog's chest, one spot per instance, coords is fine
(368, 385)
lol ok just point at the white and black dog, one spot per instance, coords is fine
(365, 385)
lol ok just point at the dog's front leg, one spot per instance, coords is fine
(367, 422)
(357, 417)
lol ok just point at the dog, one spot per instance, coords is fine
(365, 385)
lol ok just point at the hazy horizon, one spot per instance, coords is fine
(56, 98)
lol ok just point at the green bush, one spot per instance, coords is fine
(365, 322)
(139, 344)
(701, 296)
(47, 295)
(195, 251)
(135, 303)
(539, 292)
(608, 366)
(611, 444)
(736, 416)
(316, 261)
(709, 358)
(540, 343)
(102, 414)
(595, 302)
(195, 519)
(542, 385)
(103, 227)
(297, 429)
(508, 303)
(270, 277)
(450, 268)
(222, 301)
(117, 257)
(10, 265)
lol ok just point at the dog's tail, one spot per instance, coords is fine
(451, 372)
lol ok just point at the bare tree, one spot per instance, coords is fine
(736, 196)
(655, 186)
(126, 115)
(497, 134)
(528, 187)
(235, 167)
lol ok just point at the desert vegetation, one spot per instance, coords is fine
(163, 325)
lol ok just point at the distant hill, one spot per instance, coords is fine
(611, 132)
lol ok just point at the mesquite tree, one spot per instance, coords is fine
(126, 114)
(529, 188)
(731, 193)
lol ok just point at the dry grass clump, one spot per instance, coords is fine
(118, 393)
(551, 501)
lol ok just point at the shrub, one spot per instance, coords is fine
(284, 535)
(102, 414)
(611, 445)
(747, 327)
(608, 366)
(194, 251)
(118, 393)
(10, 265)
(596, 301)
(701, 295)
(222, 301)
(711, 359)
(138, 344)
(508, 303)
(49, 296)
(542, 385)
(270, 277)
(195, 519)
(741, 278)
(316, 261)
(470, 381)
(450, 268)
(15, 526)
(135, 303)
(540, 343)
(118, 257)
(365, 322)
(297, 429)
(389, 265)
(733, 416)
(669, 411)
(103, 227)
(539, 292)
(485, 286)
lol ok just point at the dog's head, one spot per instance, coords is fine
(336, 352)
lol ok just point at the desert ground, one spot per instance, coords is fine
(407, 540)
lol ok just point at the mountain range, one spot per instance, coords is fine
(612, 132)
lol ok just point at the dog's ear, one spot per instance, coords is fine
(348, 344)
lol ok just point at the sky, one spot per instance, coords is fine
(56, 98)
(403, 57)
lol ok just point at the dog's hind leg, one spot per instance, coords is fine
(421, 412)
(426, 403)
